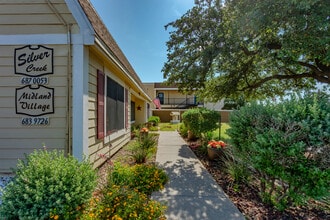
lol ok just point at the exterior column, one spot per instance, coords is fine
(79, 101)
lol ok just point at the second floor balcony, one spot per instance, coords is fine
(179, 103)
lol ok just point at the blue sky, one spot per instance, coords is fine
(138, 28)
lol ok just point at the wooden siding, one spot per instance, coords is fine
(100, 146)
(34, 17)
(25, 18)
(17, 139)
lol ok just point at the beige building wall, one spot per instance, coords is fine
(32, 21)
(110, 144)
(51, 24)
(34, 17)
(150, 89)
(18, 139)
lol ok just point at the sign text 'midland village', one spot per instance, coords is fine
(35, 101)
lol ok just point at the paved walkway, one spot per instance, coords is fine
(192, 193)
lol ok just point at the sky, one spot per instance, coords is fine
(138, 28)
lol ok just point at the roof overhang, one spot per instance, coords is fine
(113, 58)
(86, 30)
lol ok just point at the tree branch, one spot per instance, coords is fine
(248, 52)
(310, 66)
(279, 77)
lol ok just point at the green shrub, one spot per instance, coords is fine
(154, 120)
(285, 144)
(234, 103)
(148, 178)
(135, 131)
(200, 120)
(237, 169)
(183, 130)
(206, 137)
(143, 148)
(120, 202)
(153, 128)
(127, 195)
(48, 185)
(141, 177)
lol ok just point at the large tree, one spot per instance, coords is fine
(254, 48)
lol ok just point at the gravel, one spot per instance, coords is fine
(4, 180)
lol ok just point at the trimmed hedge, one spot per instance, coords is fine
(200, 120)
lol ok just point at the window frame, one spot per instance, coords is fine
(102, 109)
(132, 112)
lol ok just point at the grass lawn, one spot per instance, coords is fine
(168, 126)
(223, 128)
(174, 127)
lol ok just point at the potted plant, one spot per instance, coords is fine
(215, 148)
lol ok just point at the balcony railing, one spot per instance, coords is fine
(179, 103)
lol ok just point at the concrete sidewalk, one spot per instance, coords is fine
(192, 193)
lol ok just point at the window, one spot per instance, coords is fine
(115, 106)
(112, 109)
(161, 97)
(132, 111)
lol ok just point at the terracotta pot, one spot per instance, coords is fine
(214, 153)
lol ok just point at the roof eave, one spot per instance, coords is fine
(88, 34)
(105, 49)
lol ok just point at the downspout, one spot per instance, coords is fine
(68, 147)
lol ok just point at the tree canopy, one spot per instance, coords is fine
(255, 48)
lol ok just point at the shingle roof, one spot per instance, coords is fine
(103, 34)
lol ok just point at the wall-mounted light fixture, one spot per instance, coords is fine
(139, 108)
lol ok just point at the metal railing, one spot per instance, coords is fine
(180, 102)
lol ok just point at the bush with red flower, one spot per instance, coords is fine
(216, 144)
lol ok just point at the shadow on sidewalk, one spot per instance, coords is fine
(192, 192)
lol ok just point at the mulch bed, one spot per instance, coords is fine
(247, 200)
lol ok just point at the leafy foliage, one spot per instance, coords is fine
(200, 120)
(183, 130)
(284, 144)
(258, 48)
(154, 119)
(48, 185)
(142, 177)
(119, 202)
(143, 147)
(127, 194)
(231, 104)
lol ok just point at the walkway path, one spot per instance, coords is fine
(192, 193)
